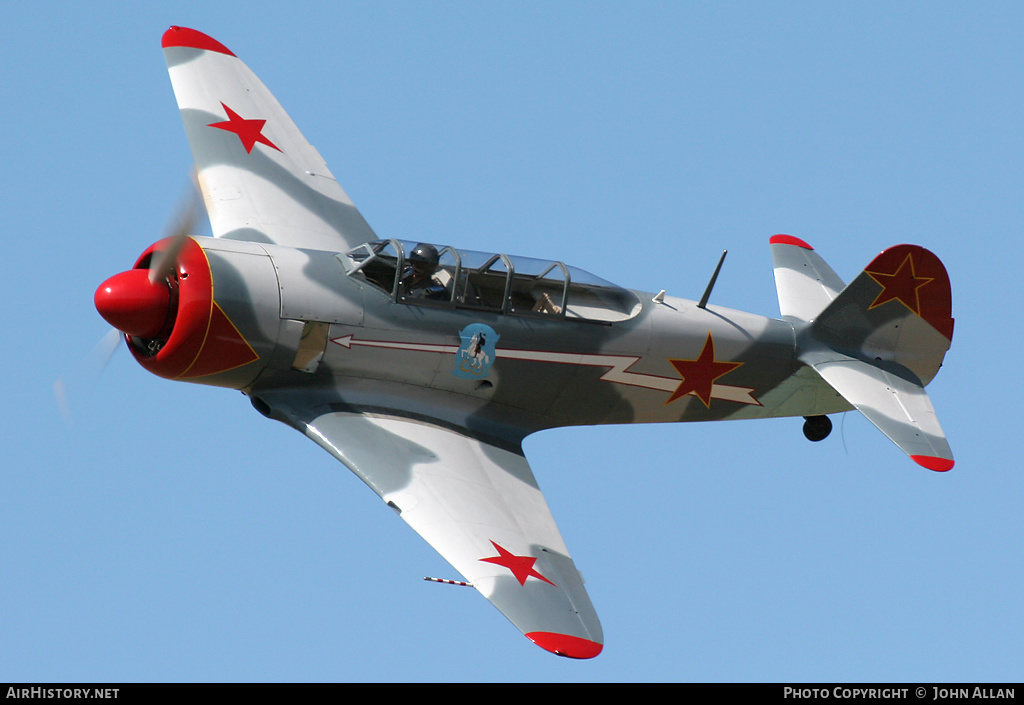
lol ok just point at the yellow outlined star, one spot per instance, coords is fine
(699, 375)
(902, 285)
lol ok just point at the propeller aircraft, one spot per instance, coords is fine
(422, 367)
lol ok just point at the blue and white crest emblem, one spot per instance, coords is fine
(476, 354)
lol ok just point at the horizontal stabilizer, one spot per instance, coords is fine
(899, 407)
(804, 281)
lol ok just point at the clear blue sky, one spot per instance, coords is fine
(171, 533)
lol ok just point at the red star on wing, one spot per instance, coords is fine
(699, 375)
(521, 566)
(902, 285)
(249, 131)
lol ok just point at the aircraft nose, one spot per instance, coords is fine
(134, 305)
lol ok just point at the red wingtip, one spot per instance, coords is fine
(565, 645)
(933, 463)
(789, 240)
(185, 37)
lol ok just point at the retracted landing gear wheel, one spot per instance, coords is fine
(817, 428)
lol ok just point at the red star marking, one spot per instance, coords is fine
(521, 566)
(249, 131)
(902, 285)
(699, 375)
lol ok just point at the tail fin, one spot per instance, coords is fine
(899, 309)
(879, 341)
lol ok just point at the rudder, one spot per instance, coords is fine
(899, 310)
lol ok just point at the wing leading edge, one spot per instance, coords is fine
(477, 503)
(261, 180)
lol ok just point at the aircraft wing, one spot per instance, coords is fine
(259, 177)
(477, 503)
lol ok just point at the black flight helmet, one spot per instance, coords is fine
(424, 256)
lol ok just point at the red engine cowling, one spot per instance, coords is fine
(174, 327)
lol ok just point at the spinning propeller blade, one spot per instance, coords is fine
(180, 227)
(87, 371)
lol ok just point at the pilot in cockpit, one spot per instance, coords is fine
(419, 280)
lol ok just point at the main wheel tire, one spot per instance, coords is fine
(817, 428)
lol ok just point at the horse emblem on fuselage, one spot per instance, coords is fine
(476, 353)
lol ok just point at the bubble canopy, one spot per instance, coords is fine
(500, 283)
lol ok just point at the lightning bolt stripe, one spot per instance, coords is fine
(618, 366)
